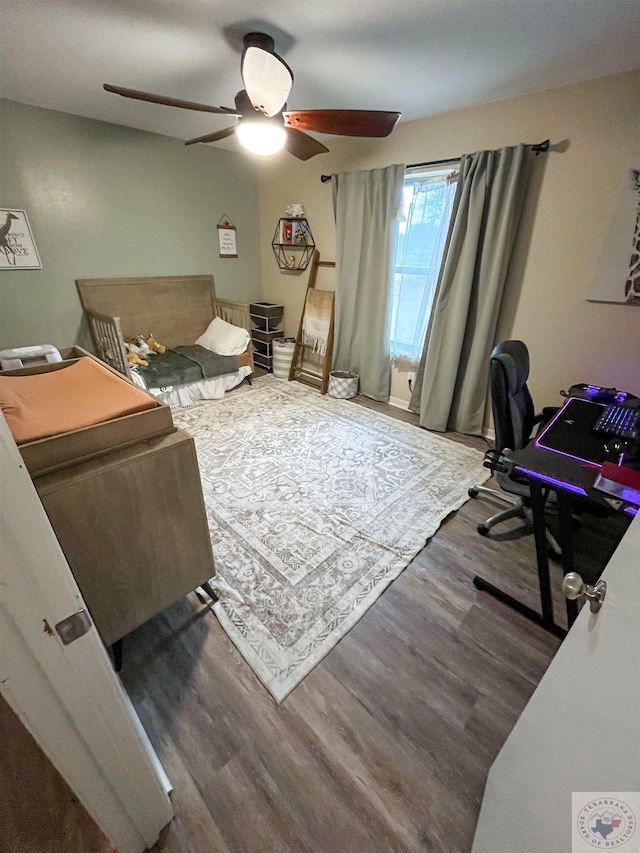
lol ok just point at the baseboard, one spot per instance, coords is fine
(487, 432)
(399, 404)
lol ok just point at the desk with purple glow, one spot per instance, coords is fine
(566, 475)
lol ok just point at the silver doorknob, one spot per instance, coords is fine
(575, 588)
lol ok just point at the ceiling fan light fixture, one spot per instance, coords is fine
(267, 80)
(265, 125)
(263, 138)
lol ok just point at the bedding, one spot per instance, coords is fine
(185, 364)
(178, 396)
(80, 394)
(224, 338)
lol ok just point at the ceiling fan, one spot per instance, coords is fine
(264, 124)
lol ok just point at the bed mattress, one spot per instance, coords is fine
(79, 394)
(179, 396)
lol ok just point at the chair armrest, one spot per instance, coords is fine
(546, 414)
(496, 463)
(543, 418)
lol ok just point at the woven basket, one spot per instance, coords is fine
(282, 354)
(343, 384)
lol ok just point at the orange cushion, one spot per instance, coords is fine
(78, 395)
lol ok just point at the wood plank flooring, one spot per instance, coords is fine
(38, 811)
(386, 745)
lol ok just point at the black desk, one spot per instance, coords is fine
(566, 475)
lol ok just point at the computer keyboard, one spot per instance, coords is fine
(618, 420)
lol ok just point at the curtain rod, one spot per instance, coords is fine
(538, 148)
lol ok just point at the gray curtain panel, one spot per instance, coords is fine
(452, 379)
(366, 206)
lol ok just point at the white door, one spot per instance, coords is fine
(68, 696)
(579, 732)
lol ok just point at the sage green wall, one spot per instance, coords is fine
(105, 201)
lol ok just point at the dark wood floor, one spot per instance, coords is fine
(38, 811)
(386, 745)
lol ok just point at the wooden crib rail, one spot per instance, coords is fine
(108, 342)
(236, 313)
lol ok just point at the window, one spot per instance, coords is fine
(427, 204)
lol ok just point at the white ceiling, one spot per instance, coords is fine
(417, 56)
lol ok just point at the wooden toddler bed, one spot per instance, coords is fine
(175, 309)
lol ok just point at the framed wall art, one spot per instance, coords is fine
(617, 275)
(17, 246)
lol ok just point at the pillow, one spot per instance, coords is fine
(223, 338)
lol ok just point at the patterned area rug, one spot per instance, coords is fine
(315, 505)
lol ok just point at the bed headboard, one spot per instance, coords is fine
(175, 309)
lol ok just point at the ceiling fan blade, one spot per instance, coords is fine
(267, 79)
(213, 137)
(303, 146)
(168, 102)
(343, 122)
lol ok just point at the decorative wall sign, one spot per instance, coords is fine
(17, 246)
(227, 238)
(617, 275)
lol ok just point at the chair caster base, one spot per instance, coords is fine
(483, 530)
(473, 493)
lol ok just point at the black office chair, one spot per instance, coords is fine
(514, 419)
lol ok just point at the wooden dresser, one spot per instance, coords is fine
(125, 501)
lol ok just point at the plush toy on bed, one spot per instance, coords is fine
(138, 346)
(134, 359)
(137, 350)
(153, 344)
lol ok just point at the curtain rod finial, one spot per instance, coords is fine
(541, 147)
